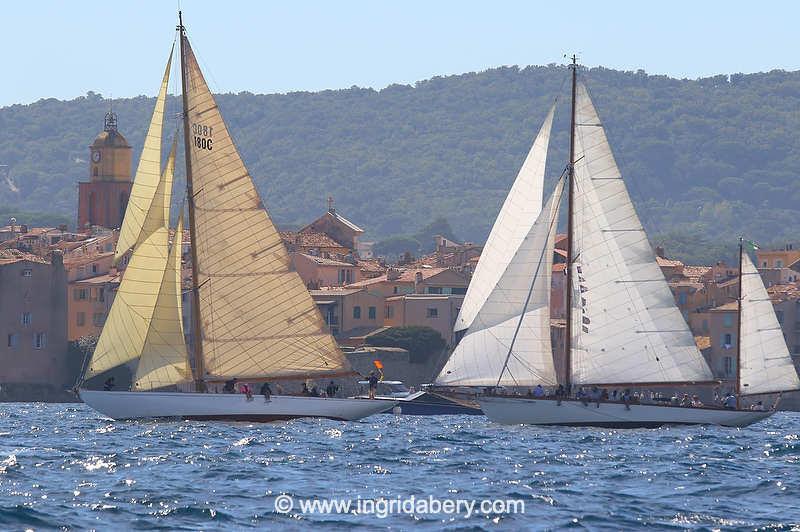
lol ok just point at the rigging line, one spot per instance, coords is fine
(553, 219)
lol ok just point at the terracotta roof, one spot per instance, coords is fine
(560, 267)
(662, 262)
(10, 256)
(338, 217)
(703, 342)
(332, 291)
(325, 262)
(309, 239)
(100, 279)
(733, 305)
(76, 260)
(695, 273)
(406, 276)
(784, 292)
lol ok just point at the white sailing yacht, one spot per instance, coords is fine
(623, 328)
(253, 319)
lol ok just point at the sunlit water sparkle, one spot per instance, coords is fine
(67, 466)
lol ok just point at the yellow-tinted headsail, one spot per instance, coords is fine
(147, 177)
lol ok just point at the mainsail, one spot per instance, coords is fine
(626, 326)
(510, 335)
(257, 318)
(165, 360)
(148, 174)
(131, 316)
(513, 223)
(766, 365)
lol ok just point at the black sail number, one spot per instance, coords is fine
(201, 136)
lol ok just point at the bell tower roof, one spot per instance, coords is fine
(110, 153)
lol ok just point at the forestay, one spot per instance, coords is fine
(626, 326)
(513, 223)
(257, 318)
(514, 322)
(148, 174)
(766, 365)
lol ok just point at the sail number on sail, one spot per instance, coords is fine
(202, 136)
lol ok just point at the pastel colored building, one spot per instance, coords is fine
(349, 311)
(434, 281)
(318, 272)
(89, 302)
(438, 312)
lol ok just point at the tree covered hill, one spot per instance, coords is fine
(705, 160)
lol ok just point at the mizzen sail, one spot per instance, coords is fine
(509, 339)
(766, 365)
(148, 174)
(257, 318)
(626, 326)
(513, 223)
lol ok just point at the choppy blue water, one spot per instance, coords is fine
(66, 466)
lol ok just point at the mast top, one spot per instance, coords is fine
(180, 27)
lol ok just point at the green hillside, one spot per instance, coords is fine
(704, 159)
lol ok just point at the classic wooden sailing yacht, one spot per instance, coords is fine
(623, 329)
(253, 319)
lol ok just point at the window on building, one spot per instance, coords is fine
(101, 294)
(705, 325)
(27, 272)
(26, 318)
(458, 290)
(372, 314)
(394, 290)
(348, 276)
(728, 366)
(80, 319)
(389, 312)
(432, 313)
(13, 340)
(356, 313)
(727, 339)
(39, 340)
(98, 318)
(764, 264)
(94, 268)
(434, 289)
(779, 263)
(682, 298)
(727, 320)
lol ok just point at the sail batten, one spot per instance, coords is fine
(626, 325)
(148, 175)
(766, 364)
(256, 316)
(509, 339)
(518, 213)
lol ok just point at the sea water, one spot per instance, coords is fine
(67, 466)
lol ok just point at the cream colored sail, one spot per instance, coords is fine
(512, 225)
(126, 328)
(165, 360)
(766, 365)
(497, 334)
(627, 328)
(148, 174)
(258, 319)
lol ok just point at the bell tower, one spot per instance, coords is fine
(103, 199)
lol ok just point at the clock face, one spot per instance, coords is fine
(96, 156)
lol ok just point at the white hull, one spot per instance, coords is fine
(227, 407)
(513, 411)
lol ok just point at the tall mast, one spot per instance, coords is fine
(738, 384)
(197, 334)
(570, 196)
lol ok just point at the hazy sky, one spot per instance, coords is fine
(63, 49)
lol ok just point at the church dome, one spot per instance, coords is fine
(110, 139)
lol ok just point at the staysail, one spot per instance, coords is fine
(626, 326)
(766, 365)
(165, 360)
(513, 324)
(257, 318)
(148, 174)
(129, 320)
(513, 223)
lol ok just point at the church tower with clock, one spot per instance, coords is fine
(102, 200)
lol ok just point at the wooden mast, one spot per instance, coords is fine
(738, 385)
(197, 334)
(570, 258)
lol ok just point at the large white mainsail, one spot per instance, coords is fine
(257, 317)
(626, 326)
(130, 318)
(513, 223)
(148, 175)
(766, 365)
(165, 359)
(513, 324)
